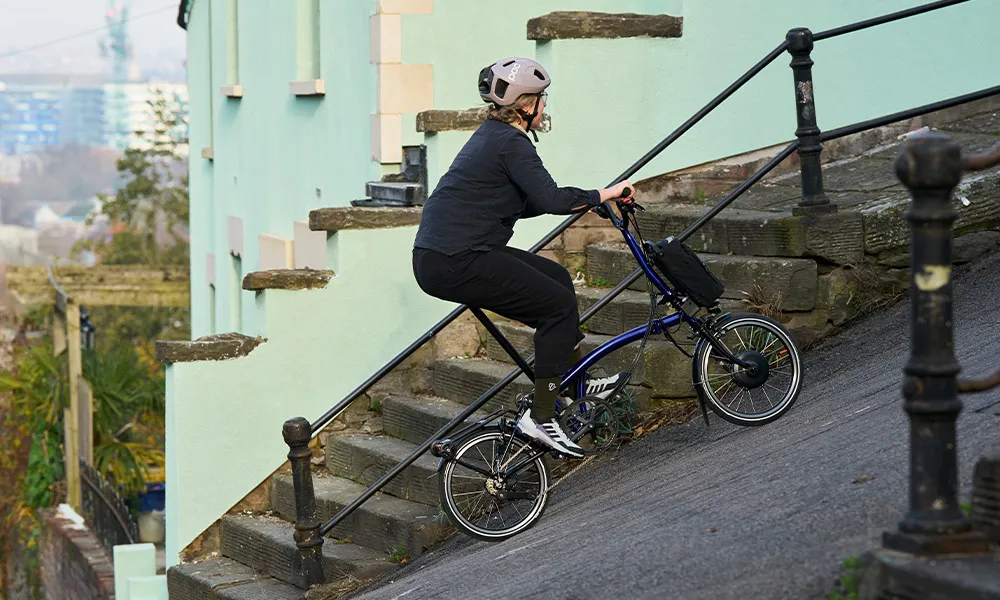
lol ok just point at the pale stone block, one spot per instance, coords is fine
(235, 235)
(405, 88)
(209, 268)
(146, 588)
(309, 247)
(274, 252)
(132, 560)
(386, 38)
(387, 138)
(309, 87)
(406, 7)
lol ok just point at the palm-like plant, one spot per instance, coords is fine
(128, 415)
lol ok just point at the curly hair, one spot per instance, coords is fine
(508, 114)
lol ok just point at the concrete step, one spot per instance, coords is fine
(744, 232)
(378, 524)
(416, 418)
(366, 458)
(266, 544)
(221, 578)
(464, 381)
(790, 282)
(407, 193)
(630, 309)
(662, 368)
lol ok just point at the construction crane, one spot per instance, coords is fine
(118, 48)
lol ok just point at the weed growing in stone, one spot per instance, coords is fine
(847, 587)
(397, 553)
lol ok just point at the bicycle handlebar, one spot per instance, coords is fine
(604, 208)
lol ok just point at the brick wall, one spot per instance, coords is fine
(74, 564)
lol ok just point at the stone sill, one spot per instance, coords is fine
(208, 153)
(434, 121)
(353, 217)
(222, 346)
(569, 25)
(287, 279)
(308, 87)
(232, 91)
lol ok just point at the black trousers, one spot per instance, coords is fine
(513, 283)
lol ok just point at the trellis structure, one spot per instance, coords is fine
(69, 288)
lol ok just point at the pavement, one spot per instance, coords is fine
(720, 512)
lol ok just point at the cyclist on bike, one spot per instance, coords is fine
(461, 255)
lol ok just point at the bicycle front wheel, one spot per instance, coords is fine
(480, 496)
(749, 396)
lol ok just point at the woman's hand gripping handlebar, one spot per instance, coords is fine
(625, 204)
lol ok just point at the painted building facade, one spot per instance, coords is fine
(295, 106)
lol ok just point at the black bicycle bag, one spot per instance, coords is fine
(686, 273)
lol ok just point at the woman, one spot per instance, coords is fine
(461, 253)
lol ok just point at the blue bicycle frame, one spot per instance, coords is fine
(620, 341)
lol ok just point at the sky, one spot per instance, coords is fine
(157, 41)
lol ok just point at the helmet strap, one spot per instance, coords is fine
(531, 118)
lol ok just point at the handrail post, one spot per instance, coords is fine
(297, 434)
(800, 45)
(931, 166)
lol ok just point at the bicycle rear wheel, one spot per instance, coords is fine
(480, 500)
(741, 396)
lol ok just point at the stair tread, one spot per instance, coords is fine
(434, 405)
(493, 368)
(387, 445)
(417, 418)
(341, 491)
(366, 458)
(378, 523)
(226, 579)
(791, 282)
(395, 184)
(711, 257)
(265, 543)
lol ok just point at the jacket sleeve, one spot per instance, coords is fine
(544, 197)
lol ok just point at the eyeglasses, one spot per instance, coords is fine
(544, 95)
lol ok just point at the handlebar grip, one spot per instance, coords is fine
(626, 192)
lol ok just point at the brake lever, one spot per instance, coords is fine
(625, 194)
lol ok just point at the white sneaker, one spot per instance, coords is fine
(601, 387)
(550, 434)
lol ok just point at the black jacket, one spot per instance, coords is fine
(495, 180)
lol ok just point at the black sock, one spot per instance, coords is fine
(543, 407)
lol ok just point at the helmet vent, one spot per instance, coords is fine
(539, 75)
(501, 89)
(508, 63)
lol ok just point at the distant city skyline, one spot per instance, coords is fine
(157, 42)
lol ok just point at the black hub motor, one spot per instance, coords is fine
(756, 374)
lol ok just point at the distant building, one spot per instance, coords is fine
(127, 111)
(36, 112)
(30, 119)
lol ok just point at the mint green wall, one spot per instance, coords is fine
(613, 100)
(277, 156)
(224, 417)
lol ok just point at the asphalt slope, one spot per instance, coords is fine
(729, 512)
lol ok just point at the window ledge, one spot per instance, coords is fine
(308, 87)
(232, 91)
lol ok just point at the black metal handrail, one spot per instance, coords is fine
(104, 510)
(335, 411)
(799, 43)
